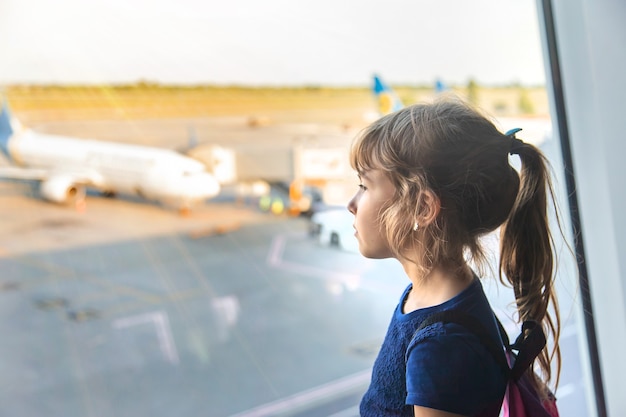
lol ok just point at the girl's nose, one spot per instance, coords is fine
(352, 204)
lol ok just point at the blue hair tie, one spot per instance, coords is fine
(516, 144)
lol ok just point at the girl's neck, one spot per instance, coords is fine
(438, 286)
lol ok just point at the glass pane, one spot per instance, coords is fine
(129, 302)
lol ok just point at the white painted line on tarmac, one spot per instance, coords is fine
(565, 390)
(293, 402)
(274, 258)
(162, 327)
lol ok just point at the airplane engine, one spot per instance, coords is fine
(62, 190)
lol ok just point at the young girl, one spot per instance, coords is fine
(434, 179)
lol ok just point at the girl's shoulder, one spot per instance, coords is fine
(449, 366)
(452, 336)
(441, 333)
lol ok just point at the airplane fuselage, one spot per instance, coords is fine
(153, 173)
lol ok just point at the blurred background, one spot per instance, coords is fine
(128, 294)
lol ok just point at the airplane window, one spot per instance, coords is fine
(123, 298)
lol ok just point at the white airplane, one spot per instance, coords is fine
(67, 166)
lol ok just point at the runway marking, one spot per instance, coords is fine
(293, 402)
(565, 390)
(337, 282)
(275, 259)
(162, 327)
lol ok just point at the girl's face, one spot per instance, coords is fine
(375, 193)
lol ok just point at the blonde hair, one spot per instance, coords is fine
(450, 150)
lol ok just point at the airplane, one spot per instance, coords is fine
(66, 166)
(386, 98)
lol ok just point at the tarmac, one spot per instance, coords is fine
(128, 309)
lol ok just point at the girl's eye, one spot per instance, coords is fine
(362, 187)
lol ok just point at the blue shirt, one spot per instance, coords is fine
(445, 367)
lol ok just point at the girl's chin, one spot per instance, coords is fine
(374, 254)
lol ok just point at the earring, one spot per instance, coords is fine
(415, 226)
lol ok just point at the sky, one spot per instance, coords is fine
(270, 42)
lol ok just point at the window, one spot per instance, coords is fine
(125, 308)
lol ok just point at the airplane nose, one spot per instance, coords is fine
(200, 187)
(213, 186)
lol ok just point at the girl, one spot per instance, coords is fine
(434, 179)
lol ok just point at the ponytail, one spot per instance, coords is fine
(527, 253)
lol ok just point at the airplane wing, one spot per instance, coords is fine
(21, 173)
(17, 173)
(55, 185)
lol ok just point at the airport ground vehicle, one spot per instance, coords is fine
(334, 227)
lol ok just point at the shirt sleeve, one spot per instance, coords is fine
(449, 369)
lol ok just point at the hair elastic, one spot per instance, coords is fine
(516, 144)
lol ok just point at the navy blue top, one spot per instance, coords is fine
(445, 367)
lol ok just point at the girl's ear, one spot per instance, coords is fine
(430, 207)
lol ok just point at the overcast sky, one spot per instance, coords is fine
(276, 42)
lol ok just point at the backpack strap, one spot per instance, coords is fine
(528, 344)
(475, 326)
